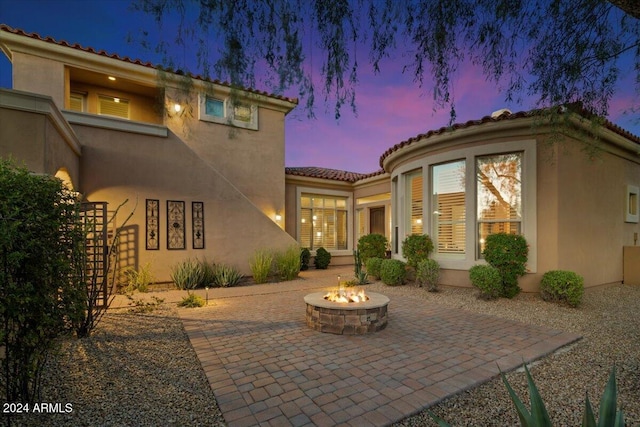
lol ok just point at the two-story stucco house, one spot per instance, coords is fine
(205, 167)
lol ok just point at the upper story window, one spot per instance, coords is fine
(221, 111)
(113, 106)
(78, 102)
(214, 107)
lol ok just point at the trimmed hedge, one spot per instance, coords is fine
(372, 246)
(322, 259)
(487, 279)
(508, 253)
(428, 274)
(562, 286)
(393, 272)
(416, 248)
(373, 266)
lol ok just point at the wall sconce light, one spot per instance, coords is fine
(177, 107)
(113, 79)
(278, 217)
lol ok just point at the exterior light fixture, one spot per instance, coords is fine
(177, 107)
(278, 217)
(113, 79)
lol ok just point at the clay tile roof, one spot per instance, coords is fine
(332, 174)
(89, 49)
(489, 119)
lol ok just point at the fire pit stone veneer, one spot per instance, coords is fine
(346, 318)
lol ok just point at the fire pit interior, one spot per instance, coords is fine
(346, 312)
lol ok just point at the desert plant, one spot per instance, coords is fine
(208, 273)
(487, 279)
(562, 286)
(188, 274)
(287, 263)
(428, 274)
(192, 301)
(508, 253)
(225, 276)
(305, 257)
(393, 272)
(416, 248)
(139, 280)
(373, 267)
(361, 276)
(609, 414)
(261, 264)
(322, 259)
(372, 245)
(141, 306)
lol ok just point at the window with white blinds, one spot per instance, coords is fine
(323, 222)
(77, 102)
(414, 201)
(499, 195)
(113, 106)
(448, 202)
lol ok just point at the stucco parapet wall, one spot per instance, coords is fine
(143, 73)
(41, 104)
(115, 123)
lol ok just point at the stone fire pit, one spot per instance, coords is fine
(346, 318)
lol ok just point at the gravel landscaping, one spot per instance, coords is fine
(138, 369)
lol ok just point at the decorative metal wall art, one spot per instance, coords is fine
(153, 224)
(197, 216)
(175, 225)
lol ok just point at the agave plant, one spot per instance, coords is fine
(609, 415)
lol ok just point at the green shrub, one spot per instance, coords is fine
(287, 263)
(192, 301)
(188, 274)
(373, 267)
(487, 279)
(305, 257)
(322, 259)
(372, 246)
(261, 264)
(508, 253)
(225, 276)
(562, 286)
(428, 274)
(416, 248)
(139, 280)
(393, 272)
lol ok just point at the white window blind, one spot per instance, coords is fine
(449, 198)
(113, 106)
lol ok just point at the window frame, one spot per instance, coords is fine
(111, 98)
(229, 115)
(347, 196)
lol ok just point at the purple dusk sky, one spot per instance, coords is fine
(391, 107)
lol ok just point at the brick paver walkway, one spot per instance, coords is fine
(267, 368)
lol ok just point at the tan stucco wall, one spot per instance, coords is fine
(119, 166)
(39, 75)
(252, 160)
(31, 139)
(591, 206)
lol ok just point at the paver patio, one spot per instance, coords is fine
(266, 367)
